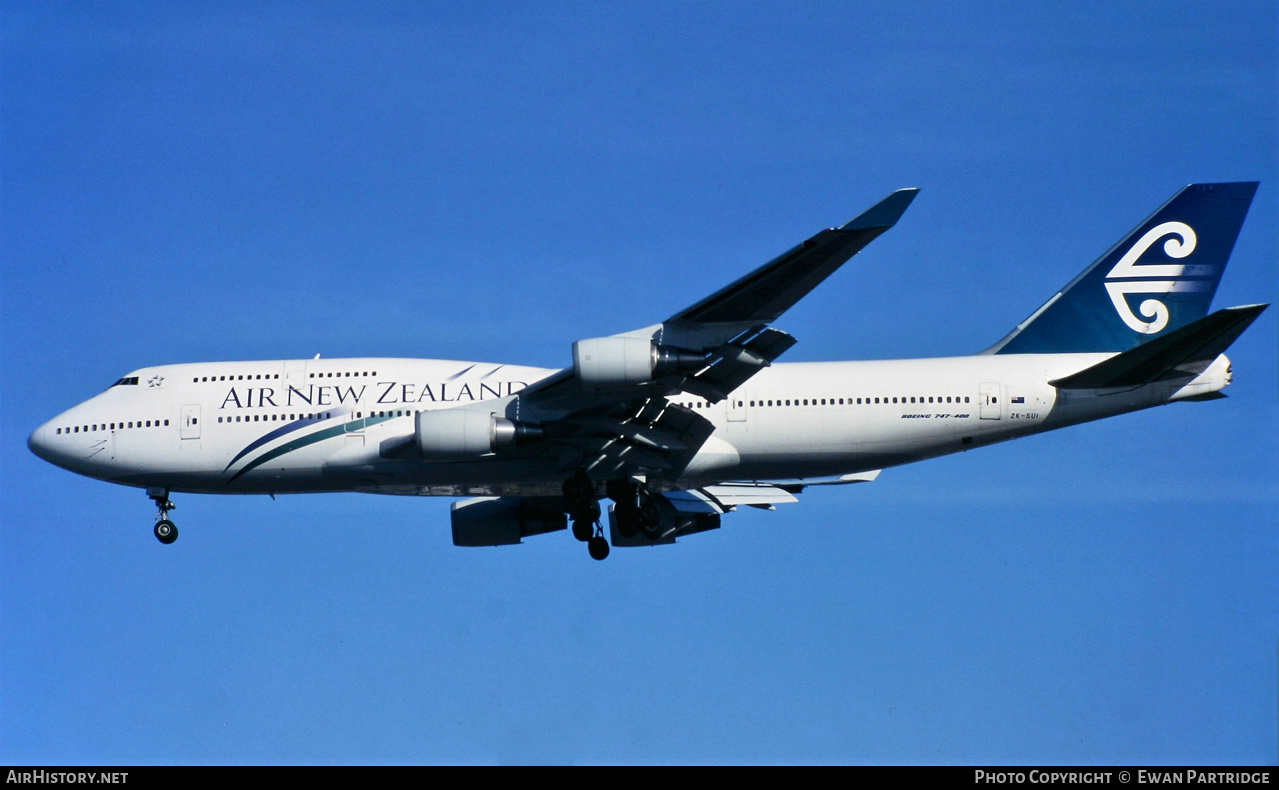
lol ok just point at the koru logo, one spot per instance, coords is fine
(1129, 278)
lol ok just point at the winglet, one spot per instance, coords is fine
(885, 213)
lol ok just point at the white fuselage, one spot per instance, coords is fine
(316, 425)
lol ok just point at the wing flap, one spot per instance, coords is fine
(655, 437)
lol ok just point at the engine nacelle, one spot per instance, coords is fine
(604, 363)
(501, 521)
(674, 523)
(451, 434)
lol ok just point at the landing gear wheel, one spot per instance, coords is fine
(586, 511)
(649, 518)
(166, 531)
(598, 547)
(649, 515)
(628, 520)
(583, 530)
(579, 488)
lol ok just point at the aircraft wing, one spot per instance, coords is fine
(762, 296)
(609, 413)
(722, 340)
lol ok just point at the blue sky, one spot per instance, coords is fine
(187, 182)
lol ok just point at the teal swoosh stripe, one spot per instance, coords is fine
(306, 441)
(296, 425)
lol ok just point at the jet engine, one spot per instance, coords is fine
(501, 521)
(604, 363)
(454, 434)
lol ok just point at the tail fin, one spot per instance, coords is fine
(1159, 278)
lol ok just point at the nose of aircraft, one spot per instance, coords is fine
(39, 443)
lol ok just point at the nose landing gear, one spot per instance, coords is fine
(165, 530)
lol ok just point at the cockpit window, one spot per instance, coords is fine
(126, 380)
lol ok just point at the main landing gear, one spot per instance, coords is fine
(584, 510)
(165, 530)
(635, 511)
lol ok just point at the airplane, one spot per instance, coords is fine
(683, 421)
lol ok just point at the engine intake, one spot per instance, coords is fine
(604, 363)
(452, 434)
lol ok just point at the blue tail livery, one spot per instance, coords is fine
(1160, 277)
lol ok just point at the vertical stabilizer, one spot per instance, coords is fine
(1160, 277)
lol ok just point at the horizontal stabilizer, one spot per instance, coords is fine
(1182, 353)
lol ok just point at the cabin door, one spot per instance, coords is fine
(191, 421)
(991, 408)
